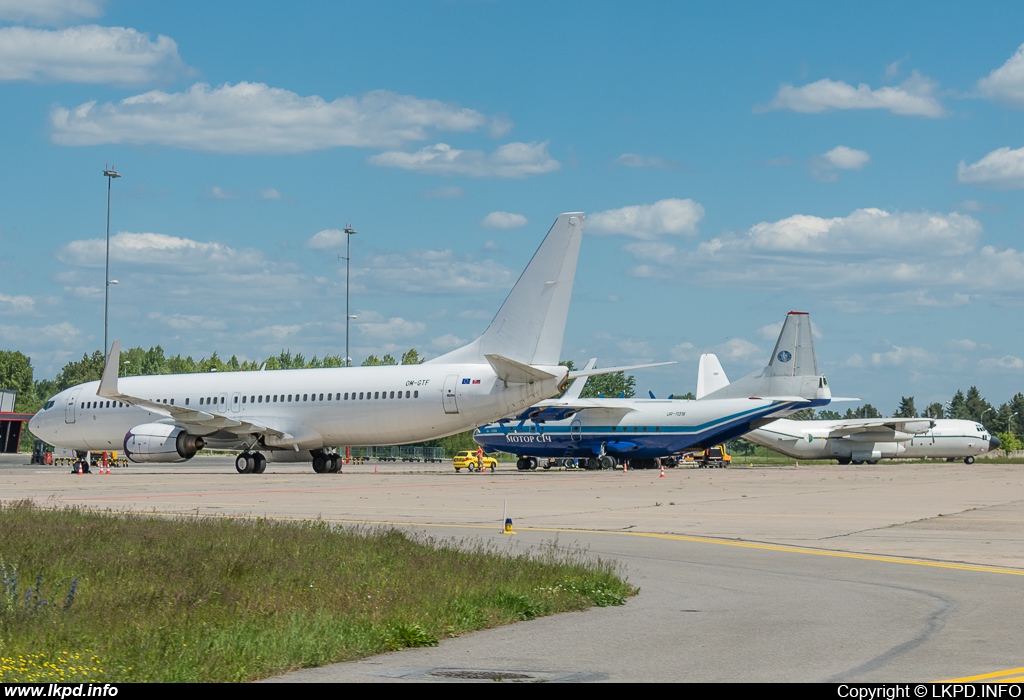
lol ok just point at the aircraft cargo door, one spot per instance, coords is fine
(69, 410)
(575, 431)
(451, 384)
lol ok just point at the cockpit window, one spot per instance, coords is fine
(48, 404)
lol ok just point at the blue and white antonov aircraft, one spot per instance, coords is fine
(604, 431)
(299, 415)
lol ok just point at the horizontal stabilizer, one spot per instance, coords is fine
(590, 372)
(512, 372)
(576, 388)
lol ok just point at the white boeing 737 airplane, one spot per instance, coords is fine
(300, 415)
(860, 440)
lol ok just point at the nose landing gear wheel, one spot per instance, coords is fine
(968, 460)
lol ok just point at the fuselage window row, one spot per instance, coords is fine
(212, 400)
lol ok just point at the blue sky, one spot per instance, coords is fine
(863, 162)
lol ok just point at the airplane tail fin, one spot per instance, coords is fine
(792, 370)
(710, 375)
(530, 325)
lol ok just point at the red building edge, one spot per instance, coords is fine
(11, 425)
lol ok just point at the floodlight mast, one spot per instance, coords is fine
(349, 232)
(110, 174)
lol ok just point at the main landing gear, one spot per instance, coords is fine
(250, 463)
(525, 464)
(326, 463)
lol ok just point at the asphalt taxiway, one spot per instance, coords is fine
(896, 572)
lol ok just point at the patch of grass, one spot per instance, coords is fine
(203, 599)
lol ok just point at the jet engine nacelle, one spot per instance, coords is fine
(159, 442)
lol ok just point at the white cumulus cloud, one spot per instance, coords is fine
(269, 195)
(897, 356)
(152, 249)
(503, 220)
(256, 118)
(16, 304)
(648, 221)
(391, 329)
(87, 54)
(740, 350)
(1001, 169)
(327, 239)
(868, 229)
(913, 97)
(1003, 363)
(512, 160)
(846, 158)
(824, 166)
(1006, 83)
(221, 193)
(49, 12)
(633, 160)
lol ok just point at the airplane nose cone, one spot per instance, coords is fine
(33, 424)
(993, 443)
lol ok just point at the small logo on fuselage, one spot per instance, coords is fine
(785, 356)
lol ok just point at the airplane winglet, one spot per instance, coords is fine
(108, 383)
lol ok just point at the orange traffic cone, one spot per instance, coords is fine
(662, 472)
(374, 468)
(79, 467)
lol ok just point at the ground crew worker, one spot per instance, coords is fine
(480, 458)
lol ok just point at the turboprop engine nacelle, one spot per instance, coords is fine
(159, 442)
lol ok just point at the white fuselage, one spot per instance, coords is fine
(316, 408)
(949, 438)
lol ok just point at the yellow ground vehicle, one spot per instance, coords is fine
(712, 457)
(468, 459)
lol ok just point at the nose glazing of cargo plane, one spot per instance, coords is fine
(993, 443)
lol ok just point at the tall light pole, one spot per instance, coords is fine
(349, 232)
(110, 174)
(1009, 426)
